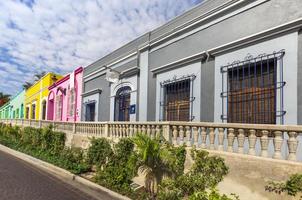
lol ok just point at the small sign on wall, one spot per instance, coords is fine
(132, 109)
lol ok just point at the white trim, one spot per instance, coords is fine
(266, 34)
(224, 17)
(112, 65)
(41, 107)
(132, 83)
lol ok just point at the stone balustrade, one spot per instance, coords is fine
(273, 141)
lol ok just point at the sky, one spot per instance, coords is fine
(60, 35)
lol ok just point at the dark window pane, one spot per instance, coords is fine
(252, 93)
(177, 101)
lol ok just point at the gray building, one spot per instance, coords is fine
(222, 61)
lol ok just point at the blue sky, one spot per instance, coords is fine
(60, 35)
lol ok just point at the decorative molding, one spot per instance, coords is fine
(92, 92)
(246, 41)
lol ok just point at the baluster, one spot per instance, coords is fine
(117, 130)
(149, 131)
(124, 130)
(131, 130)
(158, 131)
(181, 135)
(278, 143)
(139, 130)
(175, 133)
(120, 132)
(135, 130)
(203, 137)
(241, 138)
(264, 143)
(220, 139)
(144, 129)
(292, 146)
(195, 134)
(153, 131)
(252, 142)
(188, 135)
(212, 138)
(231, 138)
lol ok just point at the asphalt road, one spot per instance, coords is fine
(22, 181)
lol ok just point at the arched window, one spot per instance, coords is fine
(122, 104)
(71, 102)
(59, 106)
(43, 109)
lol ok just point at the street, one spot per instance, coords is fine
(22, 181)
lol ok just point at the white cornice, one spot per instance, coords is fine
(264, 35)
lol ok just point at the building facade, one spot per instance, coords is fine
(17, 106)
(5, 111)
(35, 99)
(222, 61)
(64, 99)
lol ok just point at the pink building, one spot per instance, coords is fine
(64, 98)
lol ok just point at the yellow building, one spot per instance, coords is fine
(36, 97)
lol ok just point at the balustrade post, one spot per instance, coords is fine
(157, 131)
(181, 135)
(252, 142)
(195, 134)
(144, 129)
(212, 138)
(131, 130)
(220, 139)
(278, 143)
(74, 127)
(175, 133)
(149, 131)
(203, 137)
(188, 135)
(106, 130)
(241, 138)
(264, 143)
(292, 146)
(153, 131)
(134, 130)
(167, 133)
(231, 138)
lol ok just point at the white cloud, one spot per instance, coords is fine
(56, 34)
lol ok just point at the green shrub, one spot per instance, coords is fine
(206, 172)
(99, 151)
(73, 159)
(292, 186)
(117, 172)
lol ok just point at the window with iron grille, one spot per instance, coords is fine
(177, 98)
(122, 104)
(253, 90)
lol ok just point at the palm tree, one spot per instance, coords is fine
(27, 85)
(4, 98)
(152, 160)
(38, 76)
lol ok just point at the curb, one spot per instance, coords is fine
(87, 186)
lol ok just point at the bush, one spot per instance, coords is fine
(292, 186)
(99, 151)
(73, 159)
(117, 172)
(206, 172)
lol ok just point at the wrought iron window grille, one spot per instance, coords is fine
(252, 89)
(178, 84)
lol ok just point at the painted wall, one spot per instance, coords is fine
(238, 20)
(17, 106)
(63, 86)
(38, 93)
(5, 111)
